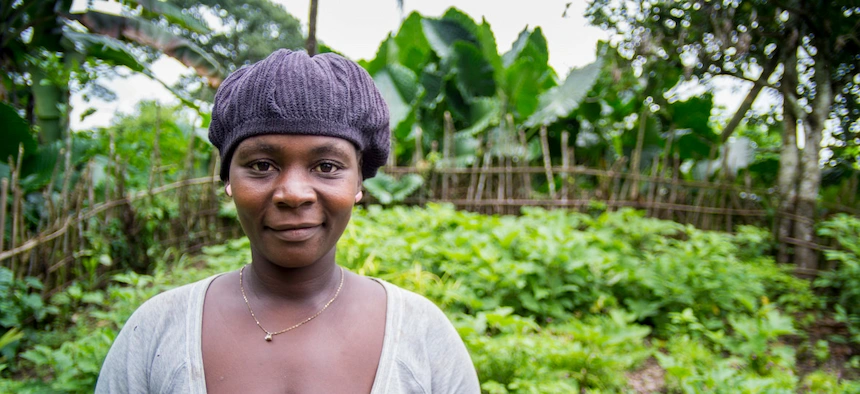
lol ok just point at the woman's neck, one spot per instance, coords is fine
(266, 280)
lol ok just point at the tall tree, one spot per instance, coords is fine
(807, 50)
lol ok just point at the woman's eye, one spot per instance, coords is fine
(326, 167)
(261, 166)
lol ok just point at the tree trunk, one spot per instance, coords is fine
(810, 180)
(789, 158)
(311, 45)
(787, 182)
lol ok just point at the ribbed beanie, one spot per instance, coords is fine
(293, 93)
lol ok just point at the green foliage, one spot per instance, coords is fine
(21, 309)
(560, 101)
(824, 382)
(434, 66)
(693, 367)
(588, 354)
(844, 281)
(386, 189)
(547, 302)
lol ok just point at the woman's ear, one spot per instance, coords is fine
(228, 190)
(358, 196)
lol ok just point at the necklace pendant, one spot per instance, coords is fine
(268, 337)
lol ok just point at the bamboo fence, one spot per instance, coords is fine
(82, 233)
(75, 224)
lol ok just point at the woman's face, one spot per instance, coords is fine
(294, 195)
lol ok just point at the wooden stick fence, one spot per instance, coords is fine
(76, 218)
(76, 223)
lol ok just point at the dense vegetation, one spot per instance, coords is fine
(550, 301)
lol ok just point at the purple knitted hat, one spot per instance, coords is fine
(293, 93)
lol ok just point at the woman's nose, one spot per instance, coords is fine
(293, 189)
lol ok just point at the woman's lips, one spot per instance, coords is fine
(294, 234)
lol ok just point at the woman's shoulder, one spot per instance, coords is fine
(411, 303)
(428, 350)
(415, 315)
(170, 309)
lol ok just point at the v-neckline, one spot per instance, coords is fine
(194, 331)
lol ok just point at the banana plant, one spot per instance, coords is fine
(451, 64)
(54, 44)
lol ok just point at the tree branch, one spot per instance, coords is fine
(750, 98)
(762, 82)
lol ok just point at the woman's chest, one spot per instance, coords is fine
(337, 352)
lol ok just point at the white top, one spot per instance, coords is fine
(159, 349)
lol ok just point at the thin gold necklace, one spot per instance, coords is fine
(269, 334)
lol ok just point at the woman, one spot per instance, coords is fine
(297, 135)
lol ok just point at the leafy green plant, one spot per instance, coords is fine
(754, 338)
(386, 189)
(844, 281)
(592, 353)
(21, 309)
(824, 382)
(549, 301)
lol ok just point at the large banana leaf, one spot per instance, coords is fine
(413, 48)
(443, 33)
(474, 75)
(385, 55)
(560, 101)
(105, 48)
(522, 87)
(173, 14)
(395, 84)
(487, 41)
(485, 112)
(147, 33)
(117, 53)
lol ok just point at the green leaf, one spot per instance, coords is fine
(386, 54)
(474, 75)
(405, 81)
(693, 114)
(87, 113)
(510, 56)
(407, 185)
(485, 112)
(10, 337)
(432, 81)
(387, 190)
(105, 48)
(560, 101)
(522, 87)
(147, 33)
(173, 14)
(442, 34)
(413, 48)
(491, 51)
(16, 132)
(453, 14)
(398, 108)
